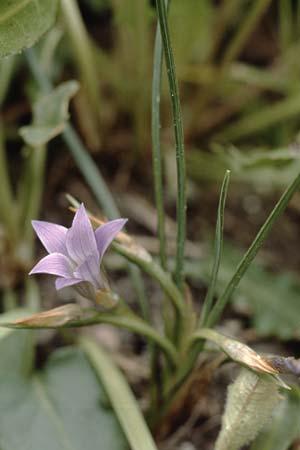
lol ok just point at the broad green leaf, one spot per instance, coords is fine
(23, 22)
(285, 426)
(272, 300)
(61, 408)
(50, 115)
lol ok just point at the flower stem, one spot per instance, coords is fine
(156, 272)
(179, 142)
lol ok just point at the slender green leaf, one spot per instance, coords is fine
(271, 300)
(121, 397)
(179, 141)
(218, 250)
(23, 22)
(252, 252)
(156, 146)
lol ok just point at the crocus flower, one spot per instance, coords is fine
(75, 254)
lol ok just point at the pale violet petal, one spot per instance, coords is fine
(61, 283)
(51, 235)
(81, 241)
(89, 270)
(106, 233)
(54, 264)
(83, 288)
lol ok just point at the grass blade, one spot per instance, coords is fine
(218, 250)
(156, 147)
(179, 141)
(252, 252)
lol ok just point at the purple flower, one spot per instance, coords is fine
(75, 254)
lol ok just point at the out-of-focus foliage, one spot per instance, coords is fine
(50, 115)
(22, 23)
(264, 170)
(96, 5)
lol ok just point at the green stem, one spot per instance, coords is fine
(179, 142)
(258, 8)
(251, 253)
(156, 146)
(120, 316)
(89, 170)
(155, 271)
(82, 53)
(137, 325)
(124, 404)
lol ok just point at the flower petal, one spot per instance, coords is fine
(54, 264)
(90, 271)
(81, 241)
(61, 283)
(106, 233)
(84, 288)
(51, 235)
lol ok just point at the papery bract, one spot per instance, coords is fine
(75, 254)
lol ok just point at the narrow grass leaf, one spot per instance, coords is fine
(252, 252)
(218, 250)
(179, 141)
